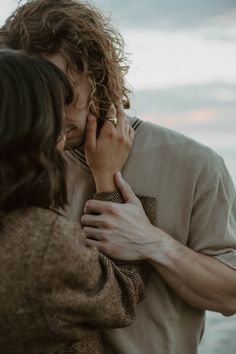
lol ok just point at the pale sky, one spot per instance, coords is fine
(6, 7)
(173, 56)
(162, 59)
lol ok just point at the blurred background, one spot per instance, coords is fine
(183, 74)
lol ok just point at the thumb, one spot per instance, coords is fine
(90, 134)
(125, 190)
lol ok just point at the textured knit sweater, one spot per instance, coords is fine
(56, 291)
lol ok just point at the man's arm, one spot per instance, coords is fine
(124, 232)
(201, 280)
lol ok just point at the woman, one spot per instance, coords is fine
(56, 291)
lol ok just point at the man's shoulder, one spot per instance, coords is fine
(158, 134)
(171, 142)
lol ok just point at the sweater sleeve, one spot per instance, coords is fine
(148, 203)
(78, 285)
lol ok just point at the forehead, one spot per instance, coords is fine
(78, 80)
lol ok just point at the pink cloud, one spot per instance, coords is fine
(194, 117)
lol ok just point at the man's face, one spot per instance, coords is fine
(77, 112)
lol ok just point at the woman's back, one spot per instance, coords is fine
(24, 239)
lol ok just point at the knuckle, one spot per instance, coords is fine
(104, 238)
(84, 219)
(110, 250)
(111, 134)
(86, 231)
(112, 110)
(112, 209)
(108, 130)
(105, 224)
(106, 246)
(122, 139)
(103, 248)
(99, 221)
(89, 204)
(99, 235)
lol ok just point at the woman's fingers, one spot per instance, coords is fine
(111, 112)
(121, 119)
(91, 129)
(111, 116)
(116, 116)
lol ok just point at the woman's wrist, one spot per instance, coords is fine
(105, 183)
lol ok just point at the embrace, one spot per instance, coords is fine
(115, 234)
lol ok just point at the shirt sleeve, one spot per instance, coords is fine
(213, 221)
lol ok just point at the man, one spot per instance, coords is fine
(192, 247)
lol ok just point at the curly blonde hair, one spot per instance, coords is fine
(83, 36)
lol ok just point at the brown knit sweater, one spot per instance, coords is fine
(56, 292)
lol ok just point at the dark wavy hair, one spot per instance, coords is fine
(32, 95)
(83, 36)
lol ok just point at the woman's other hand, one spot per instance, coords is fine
(108, 153)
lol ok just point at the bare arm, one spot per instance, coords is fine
(201, 280)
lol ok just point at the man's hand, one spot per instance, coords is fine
(121, 231)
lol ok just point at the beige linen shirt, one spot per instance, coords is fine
(196, 204)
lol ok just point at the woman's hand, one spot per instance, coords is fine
(108, 153)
